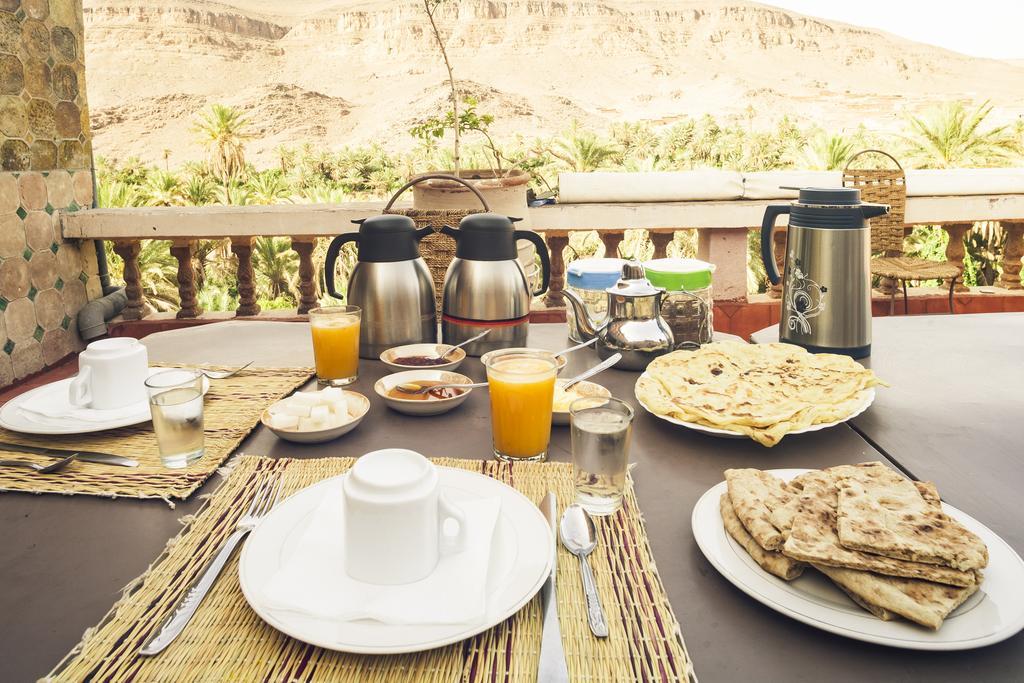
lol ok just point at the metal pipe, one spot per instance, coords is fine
(103, 269)
(93, 316)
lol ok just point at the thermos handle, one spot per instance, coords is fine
(771, 212)
(423, 232)
(542, 251)
(332, 257)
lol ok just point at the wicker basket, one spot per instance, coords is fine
(437, 249)
(882, 186)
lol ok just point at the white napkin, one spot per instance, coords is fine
(313, 581)
(54, 405)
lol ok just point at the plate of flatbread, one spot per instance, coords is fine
(863, 552)
(758, 391)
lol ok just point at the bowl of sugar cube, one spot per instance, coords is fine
(316, 416)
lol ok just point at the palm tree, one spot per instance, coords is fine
(162, 188)
(197, 191)
(824, 152)
(950, 136)
(276, 266)
(323, 193)
(582, 150)
(112, 193)
(159, 274)
(268, 187)
(223, 131)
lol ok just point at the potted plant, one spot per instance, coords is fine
(503, 184)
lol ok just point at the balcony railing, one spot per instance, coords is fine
(722, 228)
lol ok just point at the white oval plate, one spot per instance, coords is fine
(522, 540)
(13, 419)
(730, 434)
(994, 613)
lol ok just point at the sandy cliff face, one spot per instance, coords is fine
(338, 72)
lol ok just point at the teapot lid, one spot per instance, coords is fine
(634, 283)
(486, 237)
(830, 196)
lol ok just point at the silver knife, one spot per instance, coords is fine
(87, 456)
(552, 667)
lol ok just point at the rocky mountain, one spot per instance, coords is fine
(338, 72)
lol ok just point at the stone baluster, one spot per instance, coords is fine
(557, 241)
(1012, 253)
(779, 252)
(955, 248)
(303, 246)
(611, 239)
(184, 251)
(129, 253)
(727, 249)
(661, 241)
(242, 249)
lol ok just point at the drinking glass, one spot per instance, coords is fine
(336, 344)
(601, 429)
(522, 388)
(176, 403)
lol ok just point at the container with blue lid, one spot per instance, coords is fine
(589, 278)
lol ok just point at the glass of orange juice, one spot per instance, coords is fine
(336, 344)
(522, 388)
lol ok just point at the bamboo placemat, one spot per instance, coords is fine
(227, 641)
(231, 409)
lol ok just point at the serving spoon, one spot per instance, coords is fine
(579, 537)
(459, 346)
(565, 352)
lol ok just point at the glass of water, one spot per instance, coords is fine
(601, 429)
(176, 403)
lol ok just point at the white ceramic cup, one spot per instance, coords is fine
(397, 522)
(111, 374)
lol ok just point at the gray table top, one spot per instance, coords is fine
(65, 559)
(954, 413)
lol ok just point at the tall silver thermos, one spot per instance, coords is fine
(826, 296)
(486, 286)
(390, 283)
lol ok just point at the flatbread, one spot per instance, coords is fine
(772, 562)
(880, 612)
(754, 494)
(881, 512)
(782, 517)
(922, 602)
(813, 538)
(762, 390)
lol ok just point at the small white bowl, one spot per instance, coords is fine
(429, 407)
(454, 361)
(320, 435)
(561, 360)
(585, 389)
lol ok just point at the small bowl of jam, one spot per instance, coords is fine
(422, 356)
(398, 391)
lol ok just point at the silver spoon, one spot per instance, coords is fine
(412, 388)
(224, 374)
(600, 367)
(459, 346)
(579, 537)
(565, 352)
(40, 469)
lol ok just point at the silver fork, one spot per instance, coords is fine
(224, 374)
(265, 499)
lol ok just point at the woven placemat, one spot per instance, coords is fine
(232, 408)
(227, 641)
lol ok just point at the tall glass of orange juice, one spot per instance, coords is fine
(522, 388)
(336, 344)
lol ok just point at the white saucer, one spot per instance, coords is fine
(994, 613)
(14, 419)
(521, 556)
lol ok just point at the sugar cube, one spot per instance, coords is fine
(284, 421)
(304, 398)
(290, 407)
(308, 424)
(322, 413)
(355, 404)
(330, 394)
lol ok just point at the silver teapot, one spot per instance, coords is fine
(634, 326)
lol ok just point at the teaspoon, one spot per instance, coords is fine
(579, 537)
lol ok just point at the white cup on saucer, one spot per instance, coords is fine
(397, 522)
(111, 374)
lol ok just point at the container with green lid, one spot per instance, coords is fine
(687, 305)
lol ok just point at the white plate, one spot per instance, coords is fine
(730, 434)
(522, 539)
(15, 420)
(994, 613)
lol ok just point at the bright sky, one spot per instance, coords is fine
(983, 28)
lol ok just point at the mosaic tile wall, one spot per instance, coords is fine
(44, 167)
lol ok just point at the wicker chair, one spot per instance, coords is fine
(889, 186)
